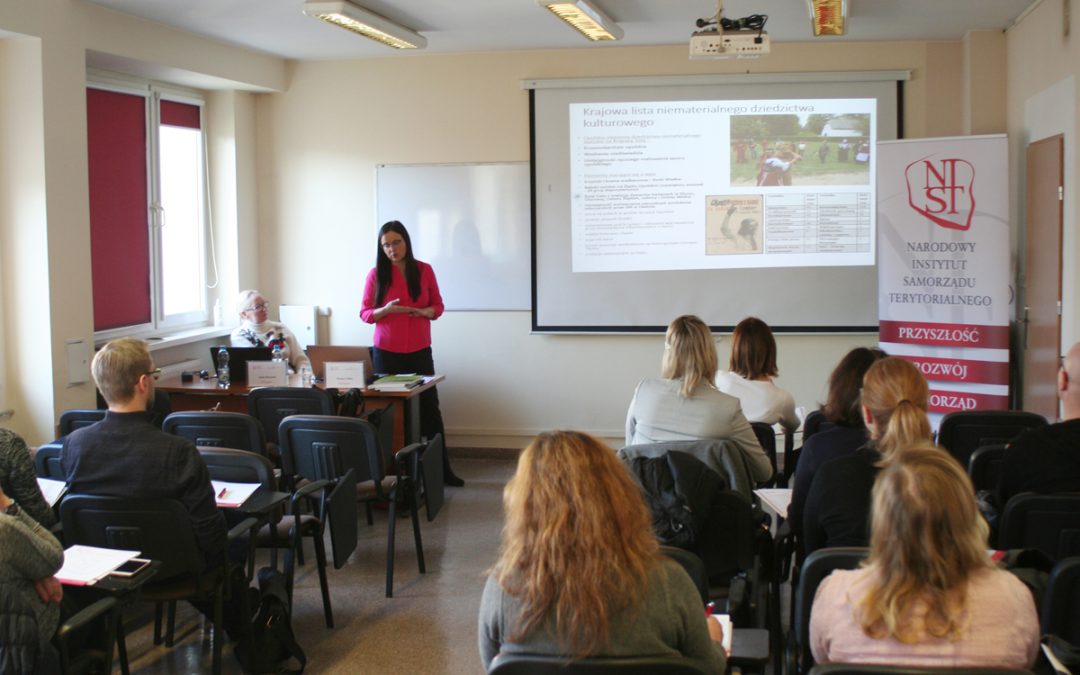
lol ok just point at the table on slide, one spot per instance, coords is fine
(206, 395)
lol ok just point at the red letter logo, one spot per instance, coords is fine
(942, 191)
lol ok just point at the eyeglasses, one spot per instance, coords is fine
(155, 373)
(255, 308)
(393, 244)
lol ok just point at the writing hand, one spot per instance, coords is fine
(716, 631)
(49, 589)
(5, 501)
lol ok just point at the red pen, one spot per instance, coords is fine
(222, 493)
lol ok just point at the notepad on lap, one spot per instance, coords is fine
(51, 489)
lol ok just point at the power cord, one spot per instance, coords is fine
(752, 22)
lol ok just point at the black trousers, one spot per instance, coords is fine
(421, 363)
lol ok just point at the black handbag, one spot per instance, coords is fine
(271, 644)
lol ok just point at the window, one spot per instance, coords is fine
(148, 224)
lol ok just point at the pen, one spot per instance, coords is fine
(222, 493)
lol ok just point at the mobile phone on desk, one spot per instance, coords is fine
(130, 568)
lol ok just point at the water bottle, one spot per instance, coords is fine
(277, 356)
(223, 367)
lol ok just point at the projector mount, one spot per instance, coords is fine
(722, 38)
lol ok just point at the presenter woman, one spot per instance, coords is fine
(257, 330)
(401, 297)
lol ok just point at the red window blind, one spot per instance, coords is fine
(176, 114)
(119, 232)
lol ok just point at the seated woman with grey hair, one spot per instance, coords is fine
(257, 330)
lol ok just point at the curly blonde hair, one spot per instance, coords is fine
(577, 544)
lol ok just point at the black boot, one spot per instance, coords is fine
(449, 477)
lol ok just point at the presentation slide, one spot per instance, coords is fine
(700, 185)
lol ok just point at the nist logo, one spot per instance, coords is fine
(941, 190)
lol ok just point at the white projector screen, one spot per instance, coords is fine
(721, 196)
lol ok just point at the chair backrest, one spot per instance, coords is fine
(160, 529)
(766, 437)
(529, 664)
(718, 454)
(430, 461)
(1050, 523)
(324, 447)
(270, 405)
(238, 466)
(70, 420)
(1061, 602)
(341, 515)
(867, 669)
(963, 431)
(214, 429)
(47, 461)
(815, 421)
(984, 467)
(694, 566)
(818, 565)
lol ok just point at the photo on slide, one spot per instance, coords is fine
(733, 224)
(800, 150)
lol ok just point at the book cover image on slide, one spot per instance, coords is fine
(733, 224)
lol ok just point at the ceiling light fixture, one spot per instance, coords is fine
(584, 17)
(829, 17)
(355, 18)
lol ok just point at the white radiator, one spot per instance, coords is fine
(303, 321)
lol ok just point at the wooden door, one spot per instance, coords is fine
(1041, 285)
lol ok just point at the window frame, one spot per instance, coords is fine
(153, 93)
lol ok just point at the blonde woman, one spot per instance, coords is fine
(928, 595)
(579, 571)
(894, 403)
(684, 404)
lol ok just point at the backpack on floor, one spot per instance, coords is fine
(272, 643)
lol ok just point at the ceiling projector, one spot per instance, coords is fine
(729, 44)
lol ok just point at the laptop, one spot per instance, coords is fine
(320, 355)
(238, 360)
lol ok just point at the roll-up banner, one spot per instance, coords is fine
(943, 266)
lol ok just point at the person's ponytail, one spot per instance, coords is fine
(907, 426)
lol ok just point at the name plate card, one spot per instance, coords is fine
(268, 374)
(345, 374)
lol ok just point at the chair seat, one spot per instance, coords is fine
(281, 533)
(181, 587)
(367, 489)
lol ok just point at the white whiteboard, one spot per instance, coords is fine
(471, 222)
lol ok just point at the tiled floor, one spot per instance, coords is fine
(429, 626)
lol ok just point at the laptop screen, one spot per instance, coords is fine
(238, 359)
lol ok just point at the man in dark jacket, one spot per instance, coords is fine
(1047, 459)
(125, 455)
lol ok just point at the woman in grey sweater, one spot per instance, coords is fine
(29, 557)
(580, 573)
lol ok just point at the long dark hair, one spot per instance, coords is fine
(383, 264)
(845, 385)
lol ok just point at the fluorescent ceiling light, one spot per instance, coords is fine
(585, 18)
(369, 24)
(828, 16)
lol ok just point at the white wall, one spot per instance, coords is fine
(319, 143)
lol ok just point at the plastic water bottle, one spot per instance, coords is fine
(276, 354)
(222, 367)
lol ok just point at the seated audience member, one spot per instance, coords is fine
(685, 405)
(1047, 459)
(894, 402)
(257, 330)
(29, 557)
(750, 376)
(18, 478)
(579, 572)
(124, 455)
(847, 434)
(928, 595)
